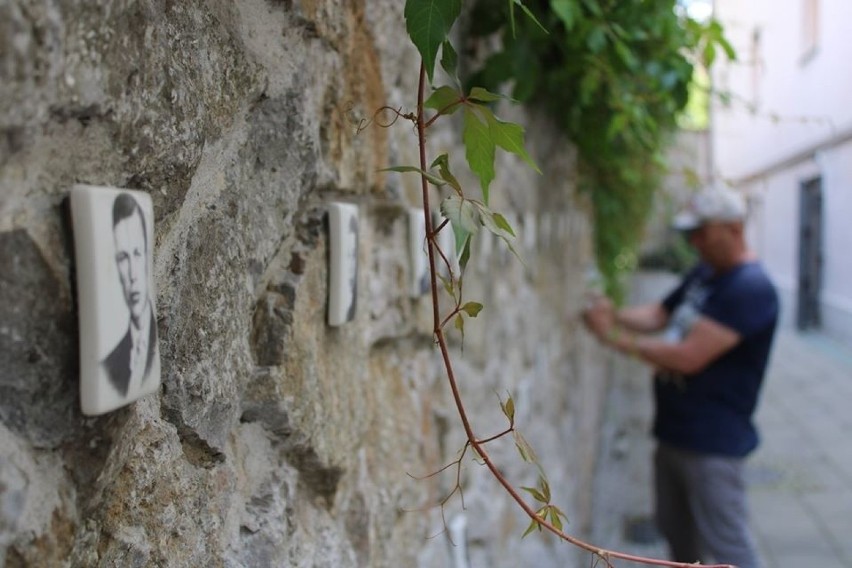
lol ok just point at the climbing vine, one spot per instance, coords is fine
(428, 23)
(614, 74)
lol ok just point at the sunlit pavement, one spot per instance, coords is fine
(800, 479)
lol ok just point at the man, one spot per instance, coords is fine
(129, 363)
(710, 364)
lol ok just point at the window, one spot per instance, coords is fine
(810, 28)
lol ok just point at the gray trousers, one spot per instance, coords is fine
(701, 507)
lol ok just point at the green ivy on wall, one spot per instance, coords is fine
(614, 74)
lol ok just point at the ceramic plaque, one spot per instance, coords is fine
(113, 242)
(417, 253)
(343, 262)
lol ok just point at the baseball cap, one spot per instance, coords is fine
(711, 204)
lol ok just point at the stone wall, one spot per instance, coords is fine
(275, 440)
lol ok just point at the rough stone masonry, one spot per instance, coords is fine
(275, 440)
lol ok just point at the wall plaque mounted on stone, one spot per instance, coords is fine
(113, 239)
(418, 253)
(343, 262)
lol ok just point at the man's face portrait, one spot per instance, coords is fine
(131, 258)
(119, 350)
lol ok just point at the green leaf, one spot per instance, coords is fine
(508, 409)
(536, 494)
(443, 164)
(530, 15)
(545, 488)
(433, 179)
(459, 323)
(484, 96)
(465, 251)
(567, 12)
(709, 54)
(596, 40)
(510, 137)
(554, 517)
(479, 148)
(557, 516)
(472, 309)
(594, 7)
(450, 60)
(626, 55)
(503, 224)
(448, 285)
(726, 46)
(495, 223)
(445, 100)
(462, 213)
(498, 225)
(461, 238)
(428, 22)
(616, 126)
(524, 448)
(533, 525)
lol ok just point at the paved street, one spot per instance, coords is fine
(801, 476)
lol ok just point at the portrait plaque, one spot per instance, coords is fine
(418, 253)
(113, 243)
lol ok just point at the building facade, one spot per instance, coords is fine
(781, 131)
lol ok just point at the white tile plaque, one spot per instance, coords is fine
(113, 242)
(343, 262)
(417, 253)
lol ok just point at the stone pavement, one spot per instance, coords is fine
(800, 478)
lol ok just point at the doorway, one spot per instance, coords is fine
(810, 254)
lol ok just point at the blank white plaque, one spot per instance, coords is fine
(343, 262)
(417, 253)
(113, 243)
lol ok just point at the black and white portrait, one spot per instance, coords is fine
(118, 329)
(343, 263)
(129, 363)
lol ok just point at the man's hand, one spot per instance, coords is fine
(599, 317)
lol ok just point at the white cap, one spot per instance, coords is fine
(711, 204)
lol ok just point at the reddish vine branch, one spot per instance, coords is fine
(472, 440)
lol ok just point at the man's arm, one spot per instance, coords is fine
(706, 341)
(647, 318)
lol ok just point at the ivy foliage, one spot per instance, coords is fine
(428, 23)
(614, 74)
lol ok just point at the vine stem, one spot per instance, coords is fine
(476, 444)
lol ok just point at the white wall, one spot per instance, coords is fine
(788, 122)
(797, 101)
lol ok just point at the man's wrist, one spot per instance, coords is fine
(622, 340)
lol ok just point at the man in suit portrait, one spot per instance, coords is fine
(129, 363)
